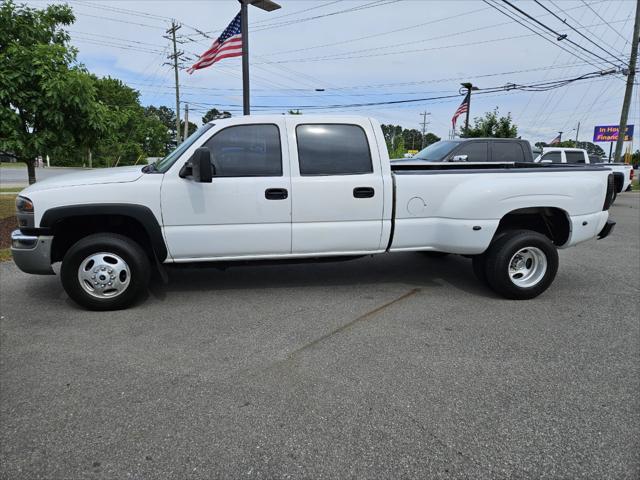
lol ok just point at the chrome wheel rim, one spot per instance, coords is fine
(527, 267)
(104, 275)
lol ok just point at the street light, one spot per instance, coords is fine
(267, 6)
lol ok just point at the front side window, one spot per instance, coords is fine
(246, 151)
(475, 151)
(574, 157)
(325, 149)
(507, 152)
(164, 164)
(553, 157)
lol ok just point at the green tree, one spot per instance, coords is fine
(133, 131)
(192, 128)
(491, 125)
(390, 133)
(47, 100)
(430, 138)
(412, 138)
(214, 114)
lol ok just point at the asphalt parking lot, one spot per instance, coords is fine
(398, 366)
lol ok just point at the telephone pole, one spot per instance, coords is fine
(624, 115)
(577, 133)
(175, 57)
(424, 126)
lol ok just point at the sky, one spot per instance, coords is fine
(371, 51)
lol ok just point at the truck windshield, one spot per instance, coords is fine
(436, 152)
(164, 164)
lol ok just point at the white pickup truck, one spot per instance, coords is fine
(622, 173)
(287, 188)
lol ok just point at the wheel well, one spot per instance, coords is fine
(549, 221)
(618, 178)
(68, 231)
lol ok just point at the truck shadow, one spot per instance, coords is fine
(413, 269)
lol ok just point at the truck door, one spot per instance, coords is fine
(337, 188)
(245, 210)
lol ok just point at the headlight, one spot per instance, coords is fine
(24, 205)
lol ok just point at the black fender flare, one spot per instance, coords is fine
(140, 213)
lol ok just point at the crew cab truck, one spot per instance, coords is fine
(290, 188)
(498, 150)
(622, 173)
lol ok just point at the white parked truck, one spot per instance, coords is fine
(622, 173)
(287, 188)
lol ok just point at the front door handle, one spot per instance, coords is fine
(363, 192)
(276, 193)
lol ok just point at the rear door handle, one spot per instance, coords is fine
(363, 192)
(276, 193)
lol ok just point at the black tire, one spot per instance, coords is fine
(615, 195)
(128, 250)
(478, 262)
(500, 254)
(434, 254)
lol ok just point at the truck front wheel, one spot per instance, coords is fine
(105, 271)
(521, 264)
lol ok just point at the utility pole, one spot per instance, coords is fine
(469, 88)
(186, 122)
(624, 115)
(424, 126)
(577, 133)
(175, 57)
(560, 137)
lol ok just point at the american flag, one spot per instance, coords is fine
(229, 44)
(463, 108)
(555, 140)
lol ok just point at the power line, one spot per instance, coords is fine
(598, 15)
(578, 32)
(518, 20)
(559, 36)
(564, 11)
(348, 56)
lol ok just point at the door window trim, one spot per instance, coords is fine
(366, 137)
(249, 125)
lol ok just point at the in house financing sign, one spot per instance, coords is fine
(609, 133)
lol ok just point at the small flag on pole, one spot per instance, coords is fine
(555, 140)
(227, 45)
(463, 108)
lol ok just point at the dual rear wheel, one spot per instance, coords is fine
(519, 264)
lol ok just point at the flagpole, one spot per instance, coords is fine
(245, 57)
(267, 6)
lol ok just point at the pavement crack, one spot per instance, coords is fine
(349, 325)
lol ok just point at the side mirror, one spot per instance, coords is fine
(198, 166)
(459, 158)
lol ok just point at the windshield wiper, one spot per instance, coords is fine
(151, 168)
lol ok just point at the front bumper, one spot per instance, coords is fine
(607, 229)
(32, 254)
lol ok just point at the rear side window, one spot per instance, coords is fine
(475, 151)
(246, 151)
(325, 149)
(574, 157)
(554, 157)
(507, 152)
